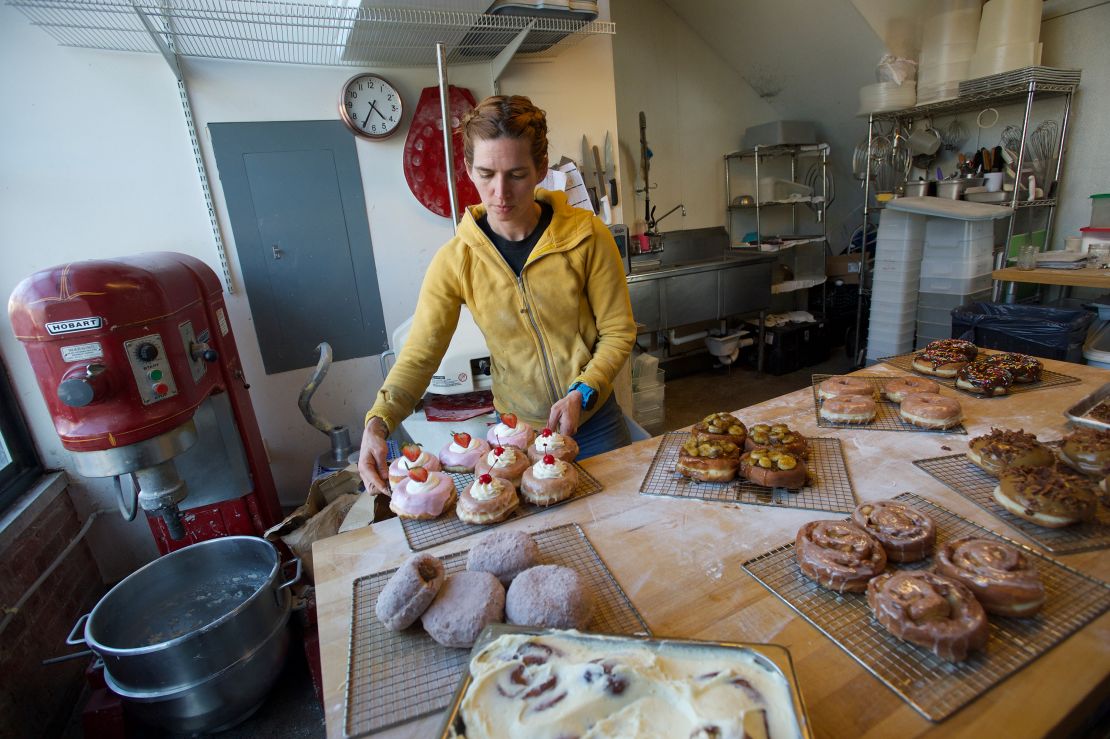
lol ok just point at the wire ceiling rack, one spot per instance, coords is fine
(326, 32)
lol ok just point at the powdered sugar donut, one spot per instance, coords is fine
(504, 554)
(409, 591)
(557, 445)
(551, 597)
(839, 387)
(467, 603)
(463, 452)
(898, 388)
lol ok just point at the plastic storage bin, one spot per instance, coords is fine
(1097, 349)
(1100, 210)
(961, 285)
(1052, 333)
(960, 250)
(953, 231)
(892, 313)
(893, 293)
(899, 250)
(897, 274)
(894, 224)
(948, 301)
(957, 268)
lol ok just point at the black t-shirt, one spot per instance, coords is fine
(516, 253)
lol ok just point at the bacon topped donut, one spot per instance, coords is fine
(1022, 367)
(939, 363)
(1000, 449)
(838, 555)
(1003, 579)
(906, 533)
(983, 378)
(1087, 450)
(1047, 496)
(930, 610)
(966, 348)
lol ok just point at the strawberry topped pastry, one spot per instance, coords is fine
(553, 443)
(548, 481)
(423, 494)
(506, 462)
(511, 431)
(489, 500)
(411, 456)
(462, 452)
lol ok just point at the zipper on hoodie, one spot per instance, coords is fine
(539, 337)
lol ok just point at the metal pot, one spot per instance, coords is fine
(176, 625)
(951, 189)
(915, 188)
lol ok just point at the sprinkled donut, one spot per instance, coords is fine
(966, 348)
(849, 409)
(840, 387)
(930, 410)
(1024, 368)
(939, 363)
(898, 388)
(984, 378)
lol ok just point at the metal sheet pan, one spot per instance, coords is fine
(770, 655)
(1077, 414)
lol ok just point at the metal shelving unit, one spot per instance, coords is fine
(1009, 88)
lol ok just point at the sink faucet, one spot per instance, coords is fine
(656, 221)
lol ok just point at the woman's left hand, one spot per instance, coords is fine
(564, 414)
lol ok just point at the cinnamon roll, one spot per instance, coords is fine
(1003, 579)
(1000, 449)
(929, 610)
(838, 555)
(906, 533)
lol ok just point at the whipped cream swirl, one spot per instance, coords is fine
(543, 471)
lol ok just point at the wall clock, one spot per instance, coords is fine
(370, 106)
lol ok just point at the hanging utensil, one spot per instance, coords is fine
(610, 169)
(645, 168)
(953, 136)
(587, 154)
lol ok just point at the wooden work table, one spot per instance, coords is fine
(680, 563)
(1086, 277)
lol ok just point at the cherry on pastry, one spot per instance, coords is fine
(484, 479)
(549, 459)
(546, 433)
(499, 450)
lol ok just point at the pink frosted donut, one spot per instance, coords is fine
(557, 445)
(399, 468)
(428, 499)
(839, 387)
(898, 388)
(548, 481)
(488, 500)
(849, 409)
(509, 465)
(930, 410)
(505, 435)
(456, 458)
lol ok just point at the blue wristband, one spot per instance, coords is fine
(589, 395)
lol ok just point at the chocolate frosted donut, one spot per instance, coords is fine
(504, 554)
(930, 410)
(906, 533)
(897, 389)
(939, 363)
(1087, 450)
(1001, 449)
(929, 610)
(839, 387)
(983, 378)
(1048, 496)
(838, 555)
(549, 596)
(849, 409)
(409, 591)
(1022, 367)
(467, 603)
(1003, 579)
(958, 346)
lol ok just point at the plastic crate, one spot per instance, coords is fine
(948, 301)
(894, 224)
(1052, 333)
(934, 315)
(792, 346)
(955, 285)
(923, 340)
(899, 250)
(890, 292)
(893, 312)
(957, 268)
(953, 231)
(880, 335)
(961, 250)
(941, 330)
(648, 393)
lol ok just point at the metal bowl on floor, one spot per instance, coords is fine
(196, 637)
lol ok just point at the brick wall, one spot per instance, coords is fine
(36, 699)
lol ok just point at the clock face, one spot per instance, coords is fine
(370, 106)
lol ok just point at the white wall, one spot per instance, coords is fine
(96, 162)
(697, 108)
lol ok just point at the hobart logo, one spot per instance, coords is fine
(73, 325)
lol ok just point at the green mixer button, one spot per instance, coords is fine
(155, 374)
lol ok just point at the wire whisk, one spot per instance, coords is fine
(1042, 149)
(1011, 139)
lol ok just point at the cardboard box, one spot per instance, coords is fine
(846, 268)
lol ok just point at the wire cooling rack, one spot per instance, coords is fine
(886, 417)
(828, 487)
(959, 473)
(1048, 377)
(422, 534)
(395, 677)
(935, 688)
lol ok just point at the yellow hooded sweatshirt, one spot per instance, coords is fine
(566, 319)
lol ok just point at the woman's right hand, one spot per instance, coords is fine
(372, 455)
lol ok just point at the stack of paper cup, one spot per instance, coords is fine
(884, 96)
(947, 48)
(1009, 36)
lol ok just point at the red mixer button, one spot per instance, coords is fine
(161, 388)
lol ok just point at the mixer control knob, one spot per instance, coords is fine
(210, 355)
(147, 352)
(198, 350)
(84, 387)
(161, 388)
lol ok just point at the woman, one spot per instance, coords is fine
(545, 284)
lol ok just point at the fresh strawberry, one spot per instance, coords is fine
(411, 452)
(484, 479)
(509, 419)
(548, 459)
(418, 474)
(499, 450)
(546, 433)
(461, 438)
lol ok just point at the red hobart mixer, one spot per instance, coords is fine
(139, 368)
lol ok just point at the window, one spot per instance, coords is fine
(19, 465)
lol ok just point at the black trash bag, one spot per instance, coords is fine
(1052, 333)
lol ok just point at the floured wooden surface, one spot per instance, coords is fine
(679, 561)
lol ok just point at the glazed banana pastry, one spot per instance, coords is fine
(709, 461)
(777, 436)
(773, 469)
(721, 427)
(571, 685)
(1001, 449)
